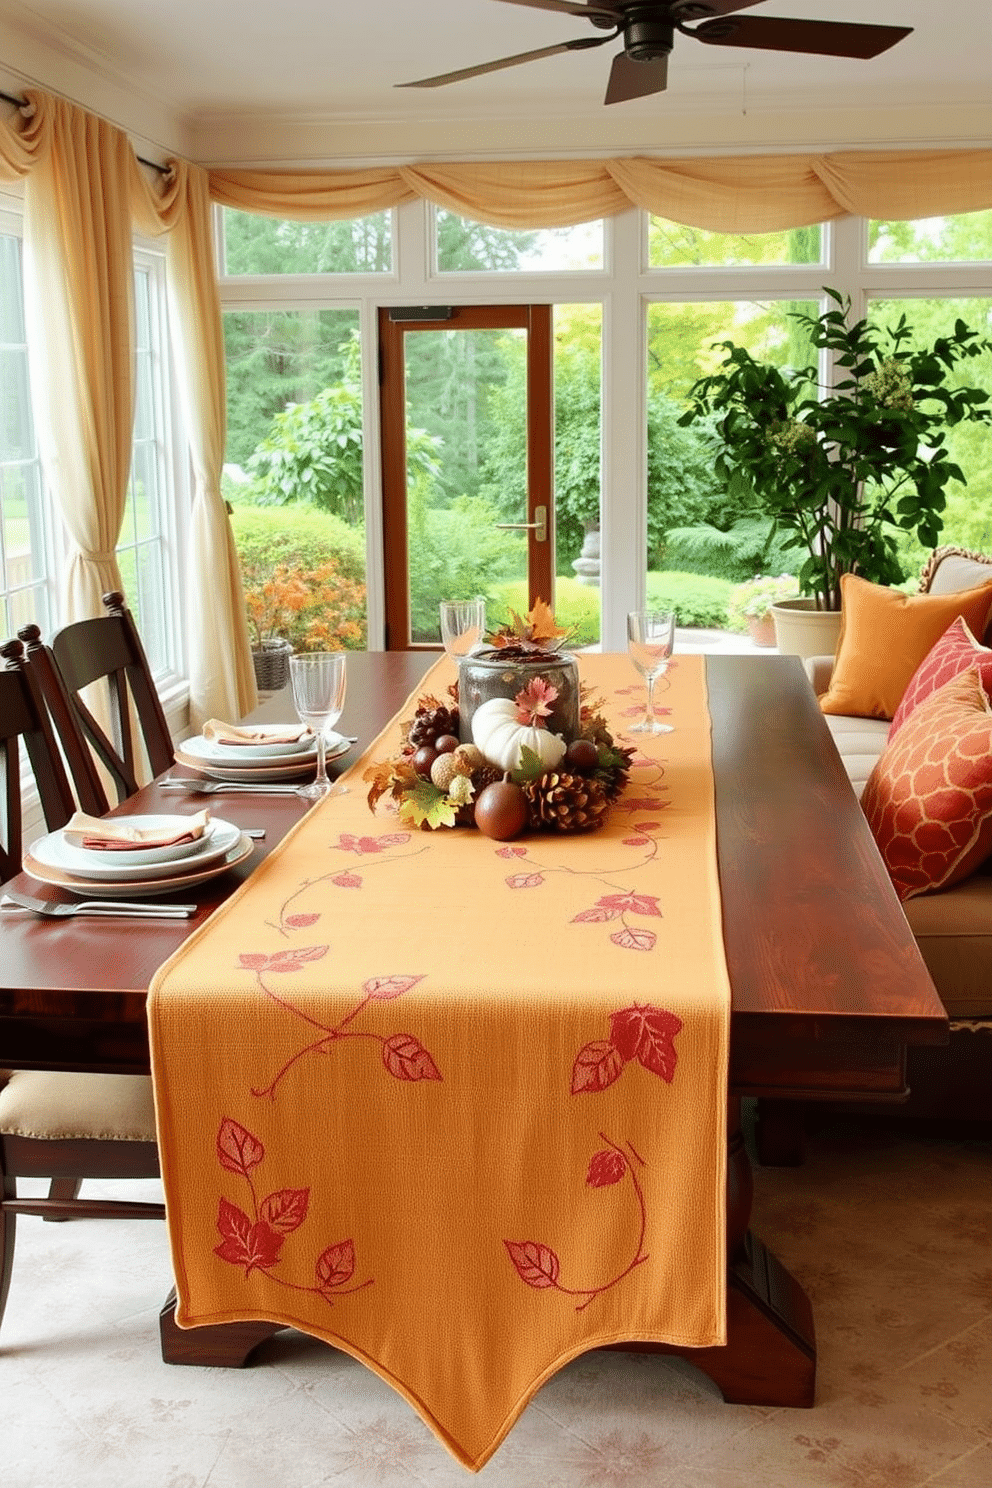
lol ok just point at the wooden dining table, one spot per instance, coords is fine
(828, 987)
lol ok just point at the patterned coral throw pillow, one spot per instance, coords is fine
(929, 798)
(955, 652)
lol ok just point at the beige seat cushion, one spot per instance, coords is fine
(954, 933)
(55, 1105)
(859, 742)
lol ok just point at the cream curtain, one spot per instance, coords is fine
(222, 681)
(79, 312)
(758, 193)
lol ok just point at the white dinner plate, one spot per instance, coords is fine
(286, 769)
(54, 852)
(141, 888)
(260, 750)
(205, 751)
(130, 857)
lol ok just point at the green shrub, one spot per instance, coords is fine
(748, 546)
(302, 538)
(455, 553)
(698, 600)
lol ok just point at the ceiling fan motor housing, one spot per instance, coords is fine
(645, 37)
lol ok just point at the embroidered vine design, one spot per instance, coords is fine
(403, 1056)
(362, 846)
(256, 1243)
(539, 1266)
(643, 1033)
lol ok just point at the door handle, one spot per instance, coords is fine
(539, 526)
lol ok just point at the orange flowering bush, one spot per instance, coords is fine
(319, 609)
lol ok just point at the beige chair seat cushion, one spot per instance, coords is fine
(56, 1105)
(954, 933)
(859, 742)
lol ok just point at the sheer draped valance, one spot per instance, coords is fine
(752, 193)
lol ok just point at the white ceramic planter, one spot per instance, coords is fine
(803, 630)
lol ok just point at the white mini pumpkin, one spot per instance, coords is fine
(498, 732)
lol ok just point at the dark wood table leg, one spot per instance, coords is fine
(770, 1354)
(223, 1345)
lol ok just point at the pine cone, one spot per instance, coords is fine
(560, 802)
(431, 720)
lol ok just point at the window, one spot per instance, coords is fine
(25, 551)
(966, 238)
(267, 245)
(673, 245)
(465, 247)
(144, 551)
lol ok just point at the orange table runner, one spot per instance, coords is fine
(459, 1106)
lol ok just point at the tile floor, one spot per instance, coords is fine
(891, 1234)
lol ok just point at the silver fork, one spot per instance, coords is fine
(225, 787)
(108, 908)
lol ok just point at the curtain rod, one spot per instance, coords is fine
(20, 103)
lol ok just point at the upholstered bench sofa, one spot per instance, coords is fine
(953, 927)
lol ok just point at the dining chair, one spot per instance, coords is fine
(108, 650)
(55, 1125)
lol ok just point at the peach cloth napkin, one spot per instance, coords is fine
(459, 1106)
(117, 834)
(219, 732)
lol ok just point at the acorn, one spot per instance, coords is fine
(501, 810)
(424, 759)
(582, 756)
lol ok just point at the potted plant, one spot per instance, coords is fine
(319, 609)
(750, 605)
(844, 473)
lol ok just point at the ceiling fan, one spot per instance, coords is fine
(648, 33)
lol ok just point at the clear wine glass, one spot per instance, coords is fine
(463, 624)
(318, 679)
(650, 638)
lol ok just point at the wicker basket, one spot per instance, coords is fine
(272, 664)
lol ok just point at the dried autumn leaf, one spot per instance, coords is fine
(426, 806)
(380, 775)
(542, 623)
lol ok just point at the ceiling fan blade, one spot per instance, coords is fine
(630, 79)
(470, 72)
(819, 38)
(700, 10)
(608, 11)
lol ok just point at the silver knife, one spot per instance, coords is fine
(108, 908)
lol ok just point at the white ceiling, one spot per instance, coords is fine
(240, 80)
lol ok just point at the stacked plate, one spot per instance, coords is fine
(258, 761)
(99, 872)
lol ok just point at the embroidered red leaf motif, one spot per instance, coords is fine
(646, 826)
(383, 989)
(511, 852)
(536, 1264)
(643, 803)
(252, 961)
(524, 880)
(237, 1149)
(336, 1265)
(394, 839)
(347, 880)
(647, 1034)
(301, 921)
(297, 957)
(595, 1067)
(634, 940)
(406, 1058)
(642, 904)
(636, 841)
(596, 916)
(285, 1210)
(606, 1167)
(254, 1246)
(348, 842)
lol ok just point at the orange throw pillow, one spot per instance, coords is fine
(929, 798)
(884, 635)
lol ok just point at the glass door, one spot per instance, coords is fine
(467, 511)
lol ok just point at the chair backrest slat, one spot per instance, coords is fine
(23, 716)
(88, 652)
